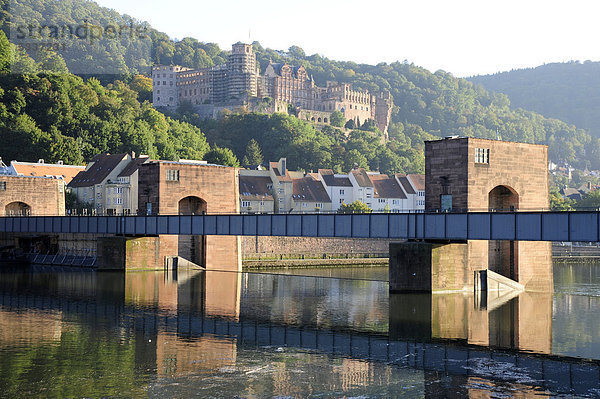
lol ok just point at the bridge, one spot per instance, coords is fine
(511, 226)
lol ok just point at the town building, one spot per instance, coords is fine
(31, 196)
(414, 187)
(362, 186)
(256, 191)
(41, 169)
(309, 195)
(338, 187)
(388, 195)
(109, 184)
(239, 83)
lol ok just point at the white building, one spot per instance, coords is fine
(109, 184)
(256, 191)
(338, 187)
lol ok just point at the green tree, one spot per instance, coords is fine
(221, 156)
(253, 154)
(558, 203)
(355, 207)
(590, 201)
(337, 119)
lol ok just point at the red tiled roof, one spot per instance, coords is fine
(362, 178)
(386, 187)
(310, 190)
(253, 188)
(418, 181)
(103, 164)
(67, 172)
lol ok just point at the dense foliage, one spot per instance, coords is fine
(304, 146)
(567, 91)
(59, 116)
(427, 105)
(355, 207)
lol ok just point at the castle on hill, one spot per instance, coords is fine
(282, 88)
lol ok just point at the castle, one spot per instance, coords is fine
(281, 88)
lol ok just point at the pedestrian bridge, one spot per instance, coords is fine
(517, 226)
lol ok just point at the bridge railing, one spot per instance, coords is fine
(520, 226)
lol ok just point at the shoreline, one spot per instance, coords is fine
(248, 265)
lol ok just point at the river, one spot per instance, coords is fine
(295, 333)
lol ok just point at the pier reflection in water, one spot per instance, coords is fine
(256, 335)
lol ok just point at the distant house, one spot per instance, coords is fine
(282, 185)
(414, 187)
(362, 186)
(256, 191)
(388, 195)
(571, 193)
(42, 169)
(338, 187)
(109, 184)
(309, 195)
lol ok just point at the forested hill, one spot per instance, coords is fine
(426, 104)
(567, 91)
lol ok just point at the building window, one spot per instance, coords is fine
(482, 155)
(2, 186)
(304, 205)
(395, 202)
(245, 204)
(341, 192)
(341, 200)
(318, 205)
(381, 200)
(172, 175)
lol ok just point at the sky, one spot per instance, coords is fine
(464, 37)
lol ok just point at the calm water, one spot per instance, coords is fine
(212, 334)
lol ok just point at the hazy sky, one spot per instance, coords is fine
(465, 37)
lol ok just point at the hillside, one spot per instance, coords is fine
(427, 105)
(567, 91)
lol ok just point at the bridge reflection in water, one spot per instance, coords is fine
(201, 321)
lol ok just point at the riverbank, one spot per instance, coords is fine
(254, 265)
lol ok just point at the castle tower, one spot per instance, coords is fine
(243, 72)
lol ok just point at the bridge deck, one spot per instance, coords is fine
(522, 226)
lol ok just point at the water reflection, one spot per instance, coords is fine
(523, 322)
(255, 335)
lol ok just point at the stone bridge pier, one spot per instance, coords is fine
(179, 188)
(467, 174)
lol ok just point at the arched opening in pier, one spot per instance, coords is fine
(190, 247)
(17, 208)
(503, 255)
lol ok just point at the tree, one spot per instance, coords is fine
(253, 154)
(558, 203)
(337, 119)
(590, 201)
(221, 156)
(350, 124)
(355, 207)
(142, 85)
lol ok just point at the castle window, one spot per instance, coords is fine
(172, 175)
(482, 155)
(2, 186)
